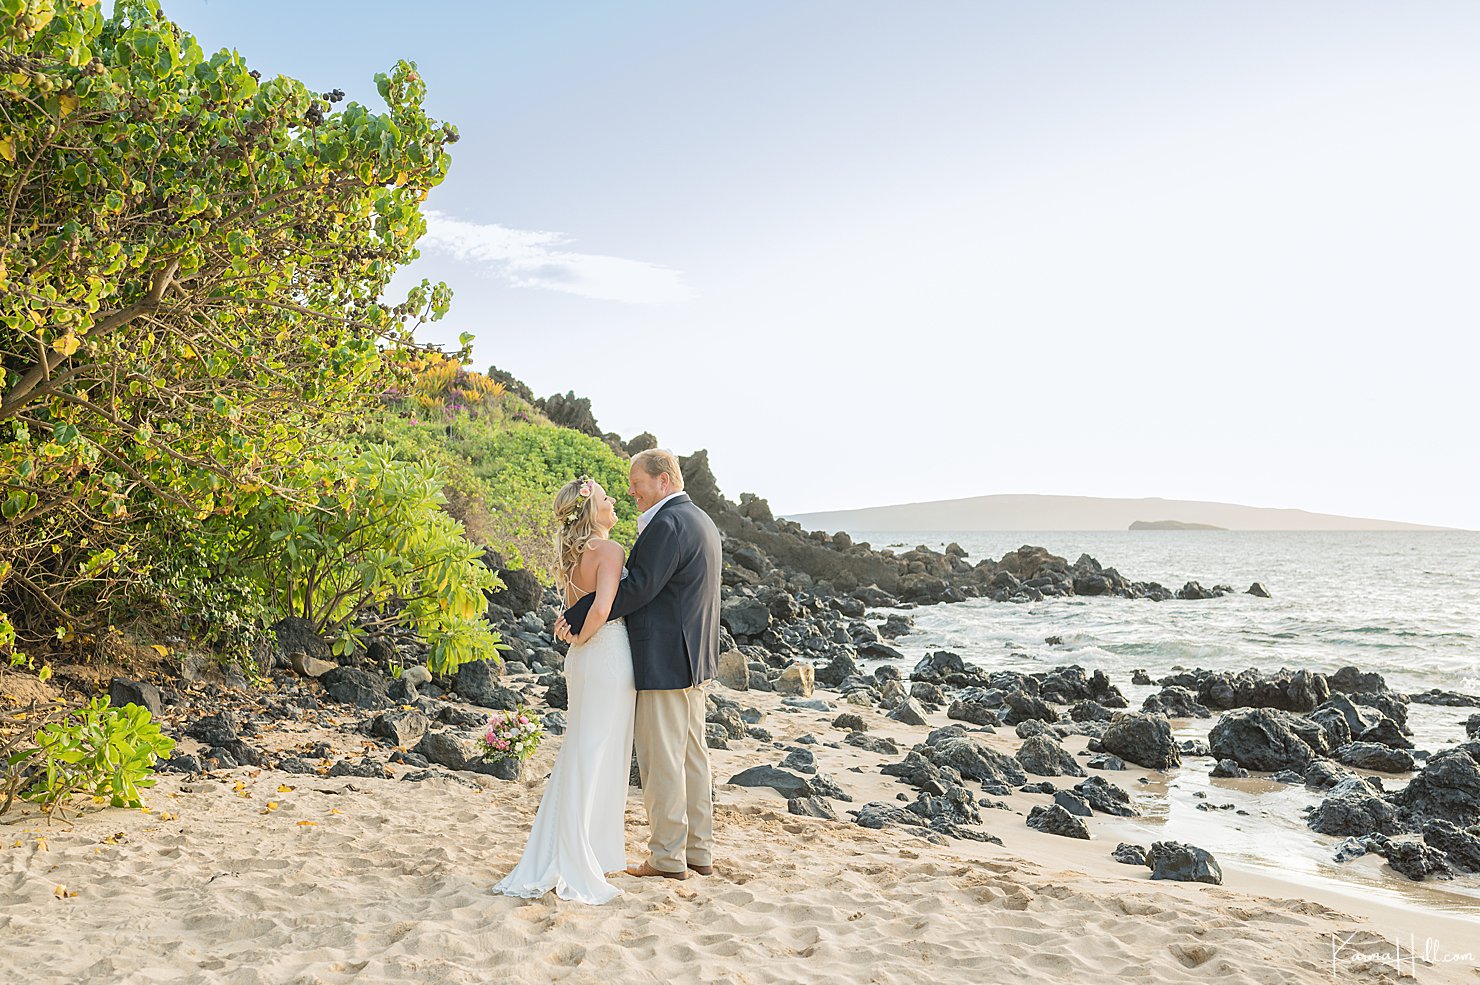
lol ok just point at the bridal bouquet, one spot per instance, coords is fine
(512, 735)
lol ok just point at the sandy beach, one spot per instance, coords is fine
(258, 876)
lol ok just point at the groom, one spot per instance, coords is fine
(671, 600)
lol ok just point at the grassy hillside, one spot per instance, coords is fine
(503, 459)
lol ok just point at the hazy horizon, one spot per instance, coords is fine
(867, 252)
(1029, 512)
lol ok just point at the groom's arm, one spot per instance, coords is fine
(654, 560)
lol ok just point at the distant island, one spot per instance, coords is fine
(1043, 513)
(1172, 525)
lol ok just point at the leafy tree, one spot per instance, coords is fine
(191, 264)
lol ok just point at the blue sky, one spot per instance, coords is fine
(873, 252)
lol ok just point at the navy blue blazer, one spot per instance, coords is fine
(670, 599)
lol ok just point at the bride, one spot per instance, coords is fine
(577, 835)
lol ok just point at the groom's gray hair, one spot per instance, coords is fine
(660, 461)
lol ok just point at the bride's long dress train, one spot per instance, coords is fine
(577, 835)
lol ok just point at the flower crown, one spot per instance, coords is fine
(584, 494)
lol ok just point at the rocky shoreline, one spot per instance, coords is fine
(809, 645)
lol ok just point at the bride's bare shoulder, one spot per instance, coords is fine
(606, 551)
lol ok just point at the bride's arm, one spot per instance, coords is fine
(608, 577)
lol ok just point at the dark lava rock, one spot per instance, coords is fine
(1227, 768)
(1105, 796)
(878, 815)
(1417, 860)
(1143, 739)
(851, 722)
(1372, 756)
(1194, 747)
(1175, 702)
(836, 671)
(215, 730)
(478, 684)
(1350, 680)
(1258, 589)
(919, 772)
(1261, 739)
(1448, 787)
(294, 764)
(353, 686)
(1183, 863)
(122, 691)
(1022, 706)
(1073, 803)
(1386, 733)
(811, 807)
(1129, 854)
(450, 749)
(1105, 761)
(1090, 711)
(404, 728)
(1045, 757)
(1053, 819)
(971, 757)
(557, 695)
(909, 712)
(936, 667)
(181, 763)
(788, 784)
(801, 760)
(880, 745)
(365, 767)
(1462, 845)
(1353, 813)
(745, 617)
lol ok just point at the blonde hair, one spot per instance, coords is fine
(660, 461)
(575, 528)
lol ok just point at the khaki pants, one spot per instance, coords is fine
(674, 763)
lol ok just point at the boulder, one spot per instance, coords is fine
(909, 712)
(1105, 797)
(796, 681)
(1183, 863)
(745, 617)
(1129, 854)
(451, 749)
(837, 670)
(1174, 702)
(1143, 739)
(1022, 706)
(786, 783)
(353, 686)
(402, 727)
(1055, 820)
(478, 684)
(973, 759)
(122, 691)
(811, 807)
(1043, 756)
(1261, 739)
(1353, 813)
(734, 670)
(1374, 756)
(975, 712)
(1462, 845)
(1448, 787)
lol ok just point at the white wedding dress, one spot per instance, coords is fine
(577, 835)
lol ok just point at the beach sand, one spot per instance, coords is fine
(250, 876)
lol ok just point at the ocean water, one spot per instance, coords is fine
(1404, 604)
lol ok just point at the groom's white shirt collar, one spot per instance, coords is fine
(652, 511)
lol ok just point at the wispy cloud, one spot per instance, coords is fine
(527, 258)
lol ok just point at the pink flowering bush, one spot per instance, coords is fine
(512, 735)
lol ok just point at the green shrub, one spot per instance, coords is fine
(377, 540)
(105, 752)
(190, 280)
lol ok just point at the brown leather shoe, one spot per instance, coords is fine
(646, 869)
(703, 870)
